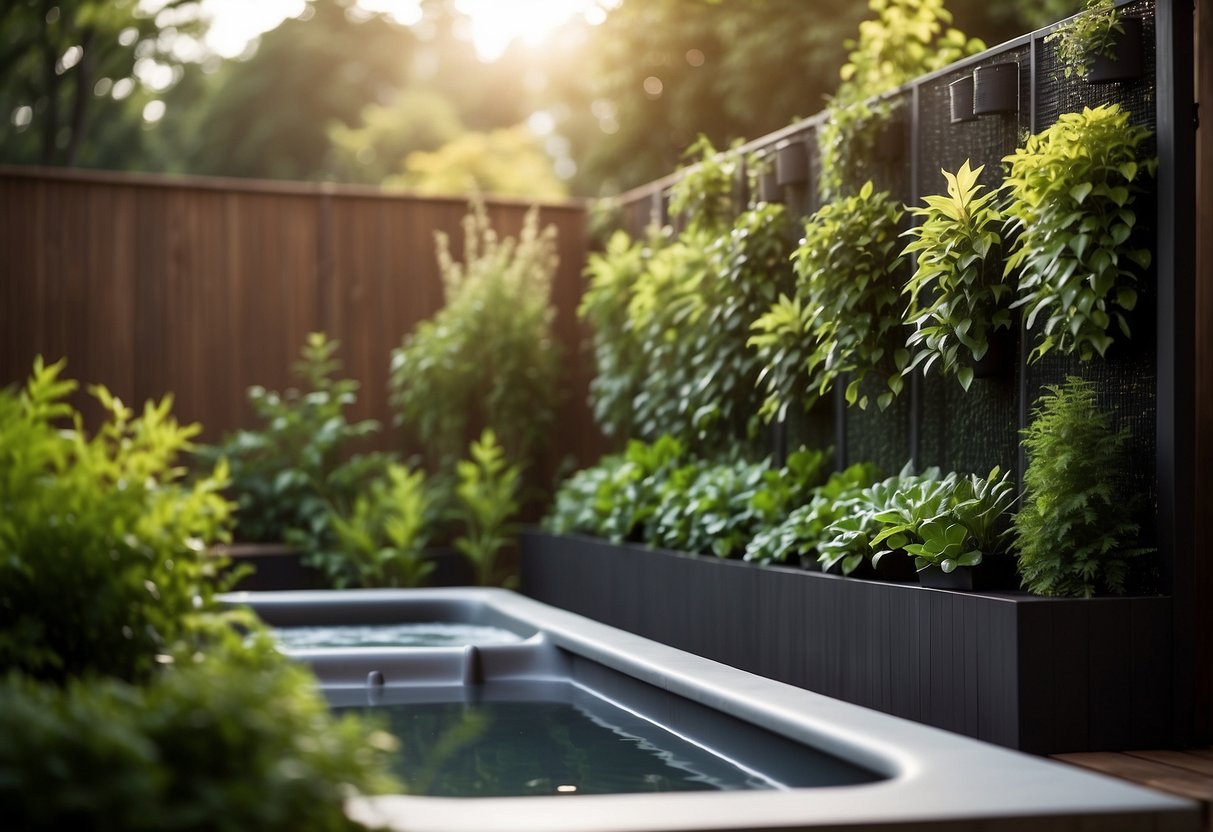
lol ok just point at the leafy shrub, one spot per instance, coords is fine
(618, 350)
(660, 495)
(949, 522)
(842, 319)
(1072, 189)
(131, 702)
(671, 319)
(718, 508)
(488, 357)
(703, 194)
(1082, 39)
(288, 475)
(381, 542)
(617, 498)
(1074, 531)
(103, 561)
(221, 744)
(907, 38)
(956, 299)
(796, 539)
(946, 521)
(487, 495)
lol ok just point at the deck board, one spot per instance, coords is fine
(1184, 773)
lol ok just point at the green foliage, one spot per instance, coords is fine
(797, 537)
(103, 549)
(907, 38)
(1093, 33)
(487, 495)
(270, 113)
(670, 322)
(947, 522)
(725, 71)
(218, 744)
(1074, 531)
(1072, 190)
(378, 145)
(658, 494)
(618, 350)
(489, 356)
(955, 295)
(842, 319)
(508, 161)
(851, 541)
(718, 508)
(381, 542)
(703, 193)
(287, 476)
(67, 61)
(618, 497)
(131, 700)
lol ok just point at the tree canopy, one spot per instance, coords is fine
(343, 94)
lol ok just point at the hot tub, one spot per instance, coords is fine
(889, 773)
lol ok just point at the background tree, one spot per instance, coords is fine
(69, 67)
(269, 115)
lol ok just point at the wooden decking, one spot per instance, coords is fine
(1184, 773)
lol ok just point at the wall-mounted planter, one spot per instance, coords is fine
(1125, 63)
(960, 96)
(1045, 675)
(769, 189)
(791, 163)
(996, 89)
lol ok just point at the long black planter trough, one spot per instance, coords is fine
(1043, 675)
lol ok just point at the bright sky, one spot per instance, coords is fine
(494, 22)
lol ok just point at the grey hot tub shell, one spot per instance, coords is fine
(934, 779)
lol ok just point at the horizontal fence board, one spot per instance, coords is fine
(201, 288)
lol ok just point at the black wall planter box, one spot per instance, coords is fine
(1039, 674)
(791, 163)
(1125, 64)
(996, 89)
(960, 98)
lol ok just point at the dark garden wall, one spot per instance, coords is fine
(1148, 384)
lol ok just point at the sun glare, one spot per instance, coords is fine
(494, 23)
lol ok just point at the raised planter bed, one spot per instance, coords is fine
(1042, 675)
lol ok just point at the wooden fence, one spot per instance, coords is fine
(203, 287)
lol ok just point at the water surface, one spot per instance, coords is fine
(414, 634)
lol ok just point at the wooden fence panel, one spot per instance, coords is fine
(201, 288)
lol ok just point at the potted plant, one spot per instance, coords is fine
(996, 88)
(950, 526)
(1075, 532)
(1072, 190)
(1100, 45)
(841, 319)
(957, 295)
